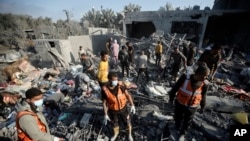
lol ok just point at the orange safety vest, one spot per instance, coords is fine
(186, 96)
(22, 136)
(115, 102)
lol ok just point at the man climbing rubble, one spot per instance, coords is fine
(178, 57)
(212, 58)
(30, 121)
(191, 93)
(115, 105)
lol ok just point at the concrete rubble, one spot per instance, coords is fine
(83, 115)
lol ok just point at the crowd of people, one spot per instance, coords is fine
(187, 95)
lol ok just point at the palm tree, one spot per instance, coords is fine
(93, 17)
(132, 8)
(107, 18)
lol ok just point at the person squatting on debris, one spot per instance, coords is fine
(178, 57)
(53, 101)
(88, 65)
(82, 84)
(130, 52)
(212, 58)
(142, 64)
(191, 93)
(124, 60)
(115, 105)
(30, 121)
(158, 53)
(115, 52)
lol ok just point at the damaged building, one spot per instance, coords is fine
(228, 97)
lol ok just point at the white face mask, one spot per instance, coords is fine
(114, 83)
(38, 103)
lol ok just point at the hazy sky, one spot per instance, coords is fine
(54, 8)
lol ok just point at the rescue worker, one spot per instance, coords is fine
(191, 94)
(115, 105)
(158, 53)
(30, 122)
(178, 57)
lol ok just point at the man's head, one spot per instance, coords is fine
(83, 56)
(202, 72)
(34, 96)
(104, 55)
(176, 49)
(80, 47)
(216, 49)
(113, 79)
(158, 42)
(123, 47)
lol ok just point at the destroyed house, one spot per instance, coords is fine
(227, 26)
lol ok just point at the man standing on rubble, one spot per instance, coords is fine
(212, 58)
(142, 64)
(158, 53)
(115, 105)
(178, 57)
(123, 57)
(191, 93)
(30, 121)
(87, 65)
(130, 52)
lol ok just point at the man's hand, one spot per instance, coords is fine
(132, 110)
(106, 119)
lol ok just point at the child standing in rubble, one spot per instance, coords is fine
(115, 105)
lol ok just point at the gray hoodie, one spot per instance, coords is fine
(28, 124)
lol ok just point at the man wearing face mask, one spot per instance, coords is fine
(115, 105)
(30, 122)
(191, 93)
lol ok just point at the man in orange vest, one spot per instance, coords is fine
(30, 122)
(115, 104)
(191, 94)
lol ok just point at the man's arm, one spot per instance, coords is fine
(129, 97)
(105, 107)
(176, 87)
(203, 93)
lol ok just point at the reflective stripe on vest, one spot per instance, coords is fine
(22, 136)
(185, 95)
(115, 102)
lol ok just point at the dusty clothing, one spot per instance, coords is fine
(212, 61)
(28, 124)
(57, 97)
(142, 61)
(103, 70)
(131, 54)
(124, 59)
(88, 67)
